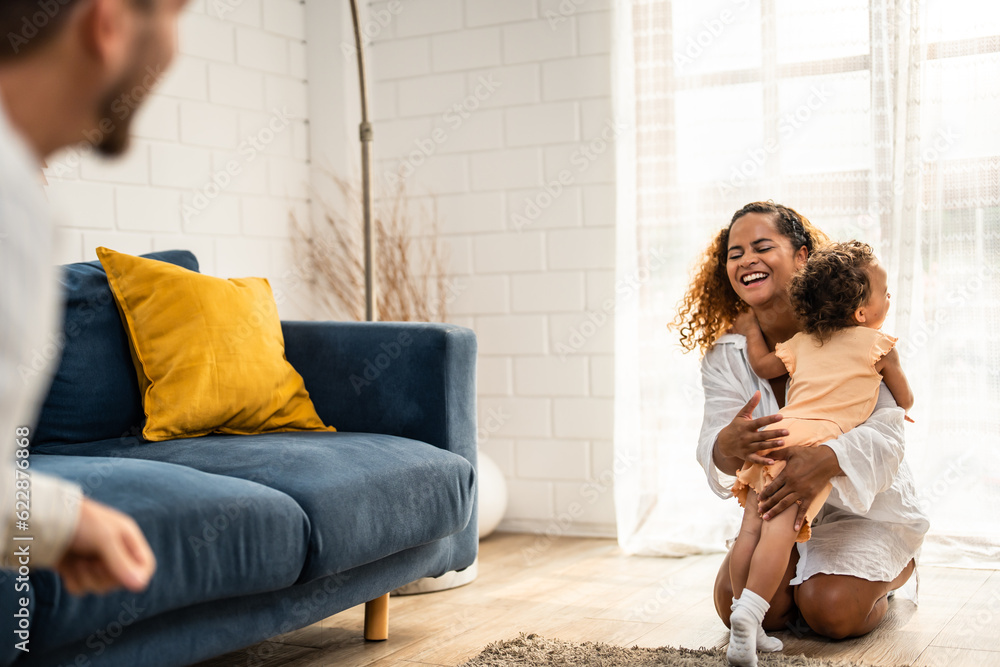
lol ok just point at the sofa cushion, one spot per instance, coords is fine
(208, 352)
(237, 623)
(214, 537)
(367, 496)
(94, 394)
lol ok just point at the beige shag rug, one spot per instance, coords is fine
(535, 651)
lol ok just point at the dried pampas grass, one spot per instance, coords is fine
(411, 280)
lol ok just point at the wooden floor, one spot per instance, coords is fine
(580, 589)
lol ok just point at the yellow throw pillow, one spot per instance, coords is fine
(209, 352)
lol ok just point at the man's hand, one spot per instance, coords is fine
(108, 551)
(807, 472)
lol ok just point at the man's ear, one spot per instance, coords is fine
(104, 31)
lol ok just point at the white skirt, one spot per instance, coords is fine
(845, 543)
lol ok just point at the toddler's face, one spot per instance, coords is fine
(875, 311)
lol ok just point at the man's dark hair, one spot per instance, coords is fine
(26, 25)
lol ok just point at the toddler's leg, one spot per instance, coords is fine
(746, 542)
(770, 558)
(747, 635)
(767, 566)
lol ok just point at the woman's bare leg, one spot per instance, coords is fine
(839, 606)
(835, 606)
(746, 542)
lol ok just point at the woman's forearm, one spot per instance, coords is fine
(726, 464)
(807, 472)
(869, 455)
(828, 464)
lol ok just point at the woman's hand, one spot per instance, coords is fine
(743, 438)
(807, 472)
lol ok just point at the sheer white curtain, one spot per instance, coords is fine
(878, 120)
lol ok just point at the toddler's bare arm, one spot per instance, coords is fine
(765, 363)
(892, 372)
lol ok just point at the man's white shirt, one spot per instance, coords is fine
(29, 316)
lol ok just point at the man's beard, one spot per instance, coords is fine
(124, 99)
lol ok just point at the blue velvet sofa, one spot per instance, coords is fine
(255, 535)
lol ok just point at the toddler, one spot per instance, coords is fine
(836, 364)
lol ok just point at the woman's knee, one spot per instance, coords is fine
(782, 609)
(829, 609)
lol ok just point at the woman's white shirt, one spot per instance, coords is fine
(872, 523)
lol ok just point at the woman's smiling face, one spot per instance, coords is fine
(760, 260)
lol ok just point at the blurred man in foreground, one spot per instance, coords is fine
(71, 71)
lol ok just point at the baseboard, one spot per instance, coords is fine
(445, 582)
(553, 529)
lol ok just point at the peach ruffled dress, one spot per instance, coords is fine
(833, 388)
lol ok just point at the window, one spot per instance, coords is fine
(878, 121)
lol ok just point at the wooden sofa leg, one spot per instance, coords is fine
(377, 619)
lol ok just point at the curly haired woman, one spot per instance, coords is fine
(835, 367)
(865, 537)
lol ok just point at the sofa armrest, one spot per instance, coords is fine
(414, 380)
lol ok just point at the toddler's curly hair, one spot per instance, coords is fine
(832, 285)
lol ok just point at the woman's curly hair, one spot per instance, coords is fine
(711, 305)
(832, 285)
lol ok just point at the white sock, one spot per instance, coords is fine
(747, 616)
(765, 643)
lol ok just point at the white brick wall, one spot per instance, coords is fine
(233, 70)
(524, 176)
(520, 92)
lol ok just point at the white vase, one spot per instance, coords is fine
(492, 505)
(492, 495)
